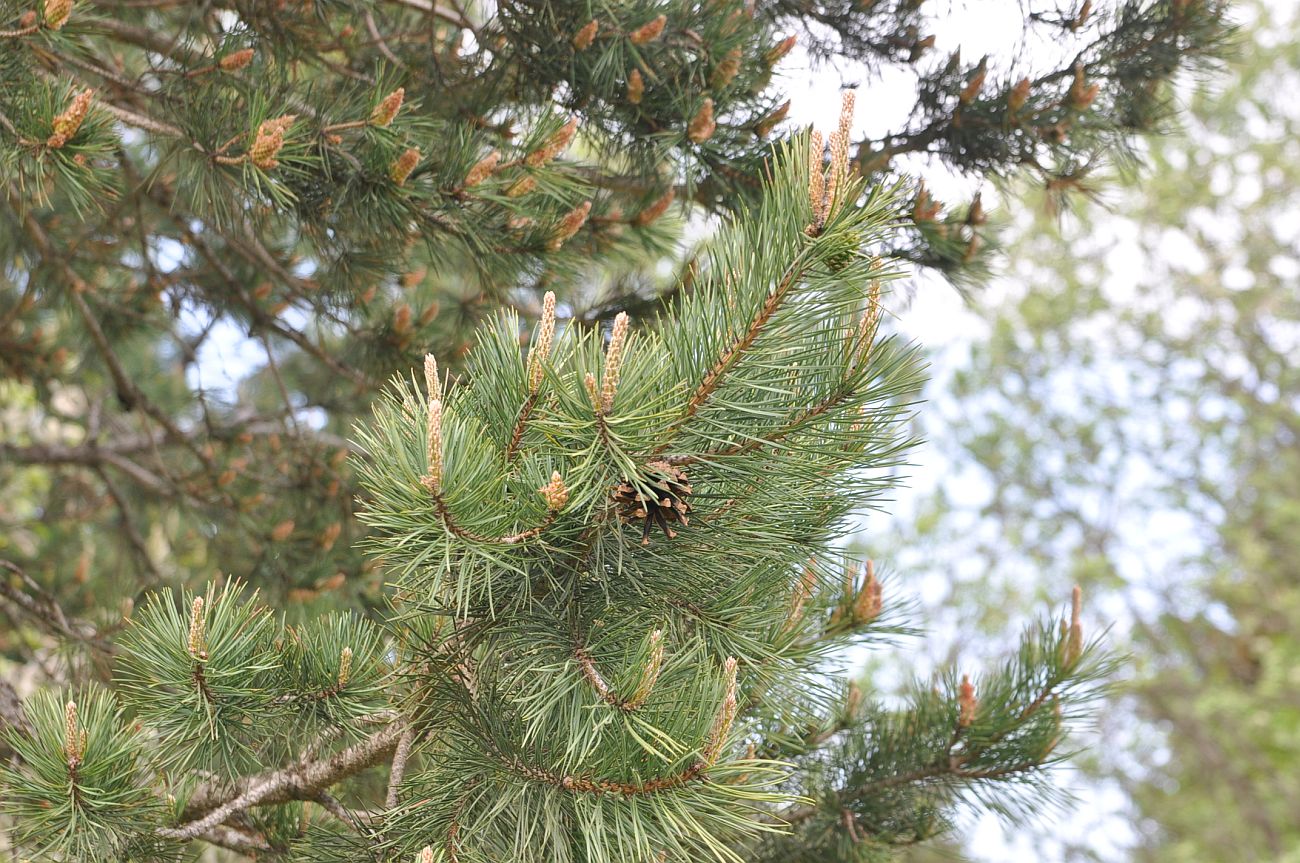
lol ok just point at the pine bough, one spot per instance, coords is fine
(617, 592)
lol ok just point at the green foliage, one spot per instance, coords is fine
(200, 691)
(77, 790)
(548, 598)
(899, 783)
(562, 683)
(208, 282)
(620, 568)
(209, 688)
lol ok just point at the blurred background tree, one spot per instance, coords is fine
(1132, 423)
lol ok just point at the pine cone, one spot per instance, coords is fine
(671, 487)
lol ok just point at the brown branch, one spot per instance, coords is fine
(133, 535)
(87, 456)
(380, 43)
(125, 386)
(517, 435)
(597, 680)
(114, 452)
(43, 608)
(141, 121)
(715, 375)
(259, 254)
(256, 255)
(298, 782)
(606, 692)
(150, 40)
(231, 839)
(357, 819)
(436, 11)
(398, 771)
(13, 719)
(201, 681)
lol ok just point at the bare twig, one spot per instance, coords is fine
(398, 771)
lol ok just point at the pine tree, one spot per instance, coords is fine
(612, 527)
(325, 191)
(618, 595)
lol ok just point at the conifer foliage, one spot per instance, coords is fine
(576, 593)
(341, 186)
(553, 680)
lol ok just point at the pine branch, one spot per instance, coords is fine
(234, 839)
(258, 169)
(125, 386)
(401, 754)
(735, 351)
(448, 521)
(13, 720)
(297, 782)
